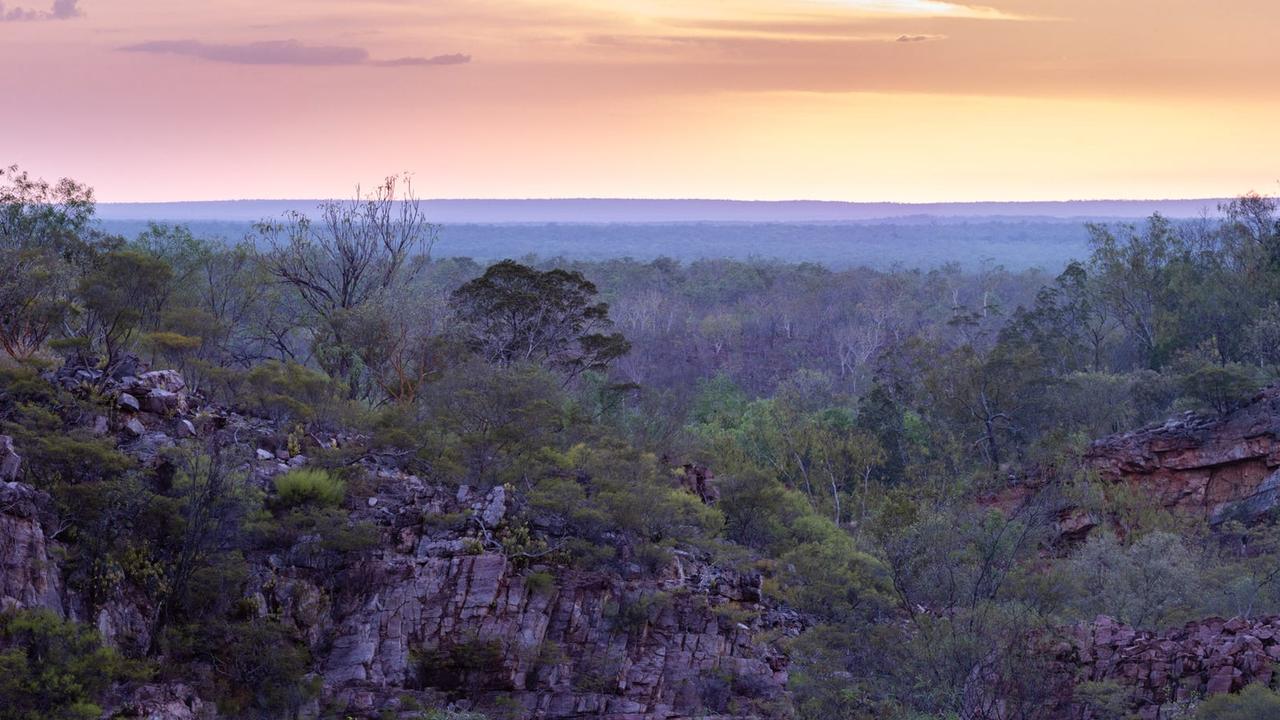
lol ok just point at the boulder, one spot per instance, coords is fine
(128, 402)
(128, 366)
(10, 461)
(493, 508)
(1161, 669)
(170, 380)
(163, 701)
(163, 402)
(135, 427)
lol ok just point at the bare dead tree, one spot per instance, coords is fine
(351, 255)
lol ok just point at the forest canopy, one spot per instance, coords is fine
(852, 418)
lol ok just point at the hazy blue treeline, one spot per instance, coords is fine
(926, 243)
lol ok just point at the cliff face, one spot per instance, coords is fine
(434, 618)
(1159, 671)
(29, 573)
(1214, 467)
(436, 613)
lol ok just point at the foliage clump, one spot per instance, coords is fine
(55, 669)
(308, 487)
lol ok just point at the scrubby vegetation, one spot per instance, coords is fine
(851, 417)
(53, 669)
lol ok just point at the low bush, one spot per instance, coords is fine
(1255, 702)
(55, 669)
(315, 488)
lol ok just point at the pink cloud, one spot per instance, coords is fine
(284, 52)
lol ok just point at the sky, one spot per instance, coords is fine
(859, 100)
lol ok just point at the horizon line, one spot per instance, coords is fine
(695, 199)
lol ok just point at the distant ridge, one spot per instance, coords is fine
(680, 211)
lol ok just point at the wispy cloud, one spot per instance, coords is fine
(918, 38)
(450, 59)
(284, 52)
(61, 10)
(924, 8)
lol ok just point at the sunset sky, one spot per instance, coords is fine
(905, 100)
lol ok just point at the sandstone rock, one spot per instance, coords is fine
(1161, 669)
(135, 427)
(129, 402)
(442, 597)
(10, 461)
(123, 620)
(1209, 466)
(494, 507)
(186, 429)
(168, 380)
(265, 455)
(167, 701)
(127, 366)
(30, 575)
(700, 481)
(163, 402)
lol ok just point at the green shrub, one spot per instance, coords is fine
(24, 384)
(287, 391)
(1255, 702)
(449, 667)
(539, 582)
(1220, 387)
(636, 612)
(330, 526)
(445, 521)
(1105, 699)
(315, 488)
(54, 669)
(51, 454)
(262, 671)
(452, 715)
(597, 674)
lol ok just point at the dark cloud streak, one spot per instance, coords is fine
(284, 52)
(61, 10)
(452, 59)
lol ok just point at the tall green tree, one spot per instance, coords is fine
(45, 239)
(514, 313)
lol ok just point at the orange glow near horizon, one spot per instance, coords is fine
(865, 100)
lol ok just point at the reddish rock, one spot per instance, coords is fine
(1210, 466)
(30, 575)
(1161, 669)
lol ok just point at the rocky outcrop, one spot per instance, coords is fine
(442, 612)
(10, 461)
(578, 646)
(1160, 672)
(168, 701)
(29, 573)
(1210, 466)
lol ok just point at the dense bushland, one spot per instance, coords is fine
(852, 418)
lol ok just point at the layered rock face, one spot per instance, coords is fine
(438, 612)
(1162, 671)
(29, 573)
(441, 613)
(1214, 467)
